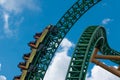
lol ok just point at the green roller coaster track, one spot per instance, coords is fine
(83, 50)
(93, 37)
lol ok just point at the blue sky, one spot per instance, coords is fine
(21, 19)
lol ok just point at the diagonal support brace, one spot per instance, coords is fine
(108, 68)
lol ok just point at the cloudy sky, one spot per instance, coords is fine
(21, 19)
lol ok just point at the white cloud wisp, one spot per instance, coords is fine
(17, 6)
(7, 30)
(12, 8)
(98, 73)
(0, 67)
(58, 69)
(2, 77)
(106, 21)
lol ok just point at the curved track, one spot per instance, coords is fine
(93, 37)
(44, 48)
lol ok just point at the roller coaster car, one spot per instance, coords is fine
(32, 44)
(22, 65)
(17, 77)
(26, 56)
(49, 29)
(41, 47)
(53, 29)
(32, 68)
(37, 35)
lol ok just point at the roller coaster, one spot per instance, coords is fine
(92, 41)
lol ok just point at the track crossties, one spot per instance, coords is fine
(42, 54)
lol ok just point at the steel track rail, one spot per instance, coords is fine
(52, 42)
(42, 59)
(92, 37)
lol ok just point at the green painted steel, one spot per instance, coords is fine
(42, 59)
(41, 62)
(92, 37)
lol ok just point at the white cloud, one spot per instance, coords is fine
(0, 67)
(2, 77)
(17, 6)
(11, 8)
(7, 30)
(98, 73)
(106, 21)
(59, 66)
